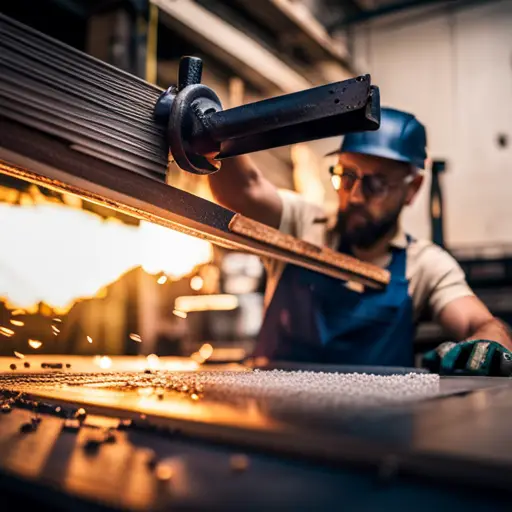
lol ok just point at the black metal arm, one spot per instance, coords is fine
(200, 133)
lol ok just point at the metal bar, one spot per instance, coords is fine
(326, 102)
(52, 164)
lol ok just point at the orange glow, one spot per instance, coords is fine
(59, 253)
(191, 303)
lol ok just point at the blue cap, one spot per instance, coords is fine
(400, 137)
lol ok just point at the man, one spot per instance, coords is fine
(314, 318)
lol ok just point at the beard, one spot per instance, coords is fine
(366, 233)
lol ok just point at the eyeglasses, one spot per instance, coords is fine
(373, 186)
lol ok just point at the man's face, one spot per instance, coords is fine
(371, 194)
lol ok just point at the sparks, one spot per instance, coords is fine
(19, 355)
(153, 361)
(56, 330)
(206, 351)
(17, 312)
(196, 283)
(6, 332)
(35, 344)
(17, 323)
(162, 280)
(135, 337)
(89, 339)
(179, 313)
(57, 319)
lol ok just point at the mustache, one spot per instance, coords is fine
(353, 210)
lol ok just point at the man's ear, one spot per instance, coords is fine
(413, 189)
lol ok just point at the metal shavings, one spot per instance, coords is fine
(92, 445)
(30, 426)
(163, 471)
(135, 337)
(239, 462)
(80, 414)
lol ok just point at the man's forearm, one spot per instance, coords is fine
(493, 330)
(241, 187)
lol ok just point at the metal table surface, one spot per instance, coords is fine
(453, 449)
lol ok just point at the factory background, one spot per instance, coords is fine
(449, 62)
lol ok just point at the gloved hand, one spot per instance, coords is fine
(476, 357)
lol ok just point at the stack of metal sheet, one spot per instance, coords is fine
(98, 109)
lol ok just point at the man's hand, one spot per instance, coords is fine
(477, 358)
(486, 349)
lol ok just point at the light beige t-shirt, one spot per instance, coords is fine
(435, 277)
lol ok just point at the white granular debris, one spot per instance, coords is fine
(294, 388)
(319, 387)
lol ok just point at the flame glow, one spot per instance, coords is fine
(56, 254)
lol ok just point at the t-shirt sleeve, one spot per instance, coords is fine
(300, 218)
(440, 280)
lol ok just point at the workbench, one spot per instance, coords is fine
(450, 451)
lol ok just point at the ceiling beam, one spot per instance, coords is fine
(243, 54)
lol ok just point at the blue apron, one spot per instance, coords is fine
(317, 319)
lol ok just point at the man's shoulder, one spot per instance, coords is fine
(424, 249)
(426, 258)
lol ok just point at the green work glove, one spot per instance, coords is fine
(476, 357)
